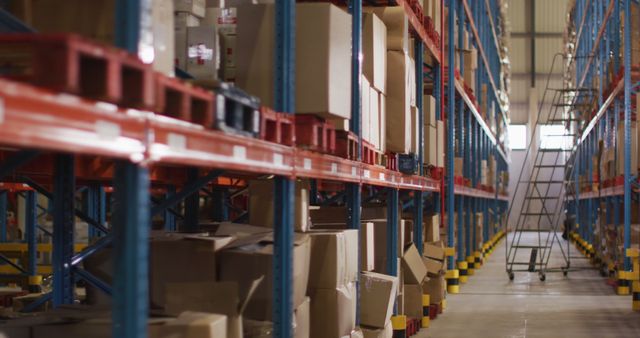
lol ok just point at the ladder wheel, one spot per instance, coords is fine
(543, 277)
(511, 276)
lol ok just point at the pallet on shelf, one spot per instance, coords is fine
(277, 127)
(315, 133)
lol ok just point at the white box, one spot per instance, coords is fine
(366, 112)
(440, 144)
(203, 53)
(182, 21)
(374, 125)
(374, 50)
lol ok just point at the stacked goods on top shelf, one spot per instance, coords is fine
(96, 20)
(635, 33)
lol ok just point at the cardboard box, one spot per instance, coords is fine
(224, 19)
(182, 20)
(458, 163)
(429, 108)
(432, 227)
(163, 38)
(374, 122)
(620, 149)
(380, 238)
(430, 145)
(367, 247)
(247, 263)
(261, 197)
(203, 53)
(415, 140)
(357, 333)
(302, 319)
(333, 311)
(377, 294)
(334, 258)
(383, 122)
(435, 287)
(323, 57)
(434, 250)
(214, 297)
(327, 214)
(365, 113)
(413, 268)
(434, 267)
(397, 24)
(374, 50)
(387, 332)
(398, 101)
(195, 7)
(413, 300)
(440, 144)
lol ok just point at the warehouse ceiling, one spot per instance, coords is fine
(537, 28)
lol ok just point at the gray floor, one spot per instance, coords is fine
(580, 305)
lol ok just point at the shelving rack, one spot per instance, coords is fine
(79, 142)
(601, 71)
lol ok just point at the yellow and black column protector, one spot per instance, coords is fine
(426, 302)
(464, 272)
(399, 325)
(634, 277)
(453, 281)
(623, 283)
(35, 284)
(471, 265)
(478, 259)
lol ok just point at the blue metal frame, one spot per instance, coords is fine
(451, 118)
(392, 235)
(3, 216)
(63, 228)
(30, 225)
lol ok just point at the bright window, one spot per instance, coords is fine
(518, 136)
(554, 137)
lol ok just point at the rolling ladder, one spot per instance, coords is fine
(538, 224)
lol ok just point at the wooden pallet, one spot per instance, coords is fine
(346, 145)
(178, 99)
(315, 133)
(277, 127)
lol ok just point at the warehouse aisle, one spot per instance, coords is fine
(580, 305)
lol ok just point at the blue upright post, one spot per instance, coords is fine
(354, 190)
(3, 216)
(96, 208)
(169, 217)
(63, 227)
(451, 119)
(392, 233)
(284, 84)
(31, 219)
(627, 132)
(131, 226)
(192, 204)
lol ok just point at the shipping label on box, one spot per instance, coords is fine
(203, 53)
(224, 19)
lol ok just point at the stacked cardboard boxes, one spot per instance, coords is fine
(434, 261)
(414, 273)
(224, 20)
(377, 296)
(374, 70)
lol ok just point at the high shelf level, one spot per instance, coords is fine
(148, 164)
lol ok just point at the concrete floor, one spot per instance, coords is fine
(579, 305)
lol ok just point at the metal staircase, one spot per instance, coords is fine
(538, 227)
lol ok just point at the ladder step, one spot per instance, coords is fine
(549, 166)
(542, 198)
(556, 150)
(524, 263)
(531, 246)
(536, 214)
(543, 182)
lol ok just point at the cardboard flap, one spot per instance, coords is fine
(252, 289)
(218, 242)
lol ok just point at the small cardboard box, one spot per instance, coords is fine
(429, 108)
(430, 149)
(333, 311)
(434, 267)
(435, 287)
(434, 250)
(387, 332)
(195, 7)
(413, 300)
(367, 252)
(432, 227)
(377, 294)
(334, 258)
(413, 268)
(398, 101)
(203, 53)
(262, 195)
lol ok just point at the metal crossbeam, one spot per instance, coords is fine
(186, 191)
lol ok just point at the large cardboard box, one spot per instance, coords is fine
(620, 149)
(334, 258)
(327, 214)
(397, 24)
(333, 311)
(247, 263)
(365, 111)
(413, 300)
(434, 267)
(380, 239)
(182, 21)
(429, 108)
(383, 122)
(323, 57)
(415, 140)
(203, 53)
(398, 100)
(435, 287)
(377, 294)
(367, 246)
(302, 319)
(387, 332)
(434, 250)
(374, 50)
(376, 137)
(432, 228)
(413, 268)
(215, 297)
(261, 197)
